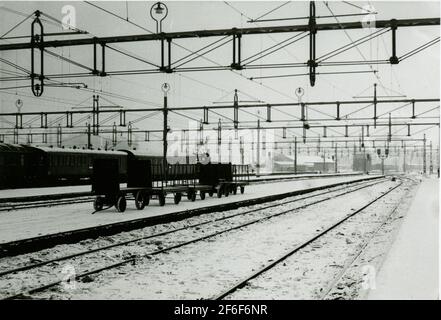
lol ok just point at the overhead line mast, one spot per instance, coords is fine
(166, 39)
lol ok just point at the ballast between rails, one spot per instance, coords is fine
(26, 293)
(72, 236)
(274, 262)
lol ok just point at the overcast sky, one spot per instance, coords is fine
(416, 77)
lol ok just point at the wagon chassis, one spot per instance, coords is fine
(223, 183)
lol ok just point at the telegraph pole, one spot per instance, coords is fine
(404, 156)
(431, 162)
(295, 155)
(89, 142)
(165, 89)
(424, 154)
(241, 150)
(95, 115)
(335, 157)
(364, 160)
(258, 147)
(437, 162)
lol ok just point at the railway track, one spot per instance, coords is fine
(20, 203)
(322, 196)
(47, 241)
(277, 261)
(43, 203)
(325, 294)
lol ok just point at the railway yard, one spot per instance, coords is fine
(317, 241)
(219, 153)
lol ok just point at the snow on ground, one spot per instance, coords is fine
(12, 283)
(410, 270)
(26, 223)
(205, 269)
(26, 192)
(311, 271)
(180, 232)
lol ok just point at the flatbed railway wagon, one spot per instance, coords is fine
(223, 179)
(146, 181)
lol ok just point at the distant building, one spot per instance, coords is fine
(285, 163)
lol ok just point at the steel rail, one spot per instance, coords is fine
(42, 204)
(275, 262)
(365, 243)
(179, 245)
(70, 256)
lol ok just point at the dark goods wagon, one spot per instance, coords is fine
(146, 180)
(21, 166)
(224, 178)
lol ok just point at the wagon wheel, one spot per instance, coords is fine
(202, 195)
(227, 191)
(189, 195)
(210, 193)
(242, 189)
(193, 196)
(177, 198)
(219, 192)
(98, 203)
(235, 190)
(121, 203)
(146, 199)
(140, 200)
(161, 198)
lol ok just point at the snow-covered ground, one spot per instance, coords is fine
(411, 269)
(26, 192)
(204, 269)
(26, 223)
(339, 265)
(146, 240)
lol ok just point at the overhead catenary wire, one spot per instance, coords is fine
(419, 49)
(349, 37)
(16, 26)
(298, 37)
(68, 60)
(317, 17)
(173, 42)
(271, 11)
(208, 51)
(351, 45)
(131, 56)
(318, 73)
(358, 7)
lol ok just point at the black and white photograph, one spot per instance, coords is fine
(226, 151)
